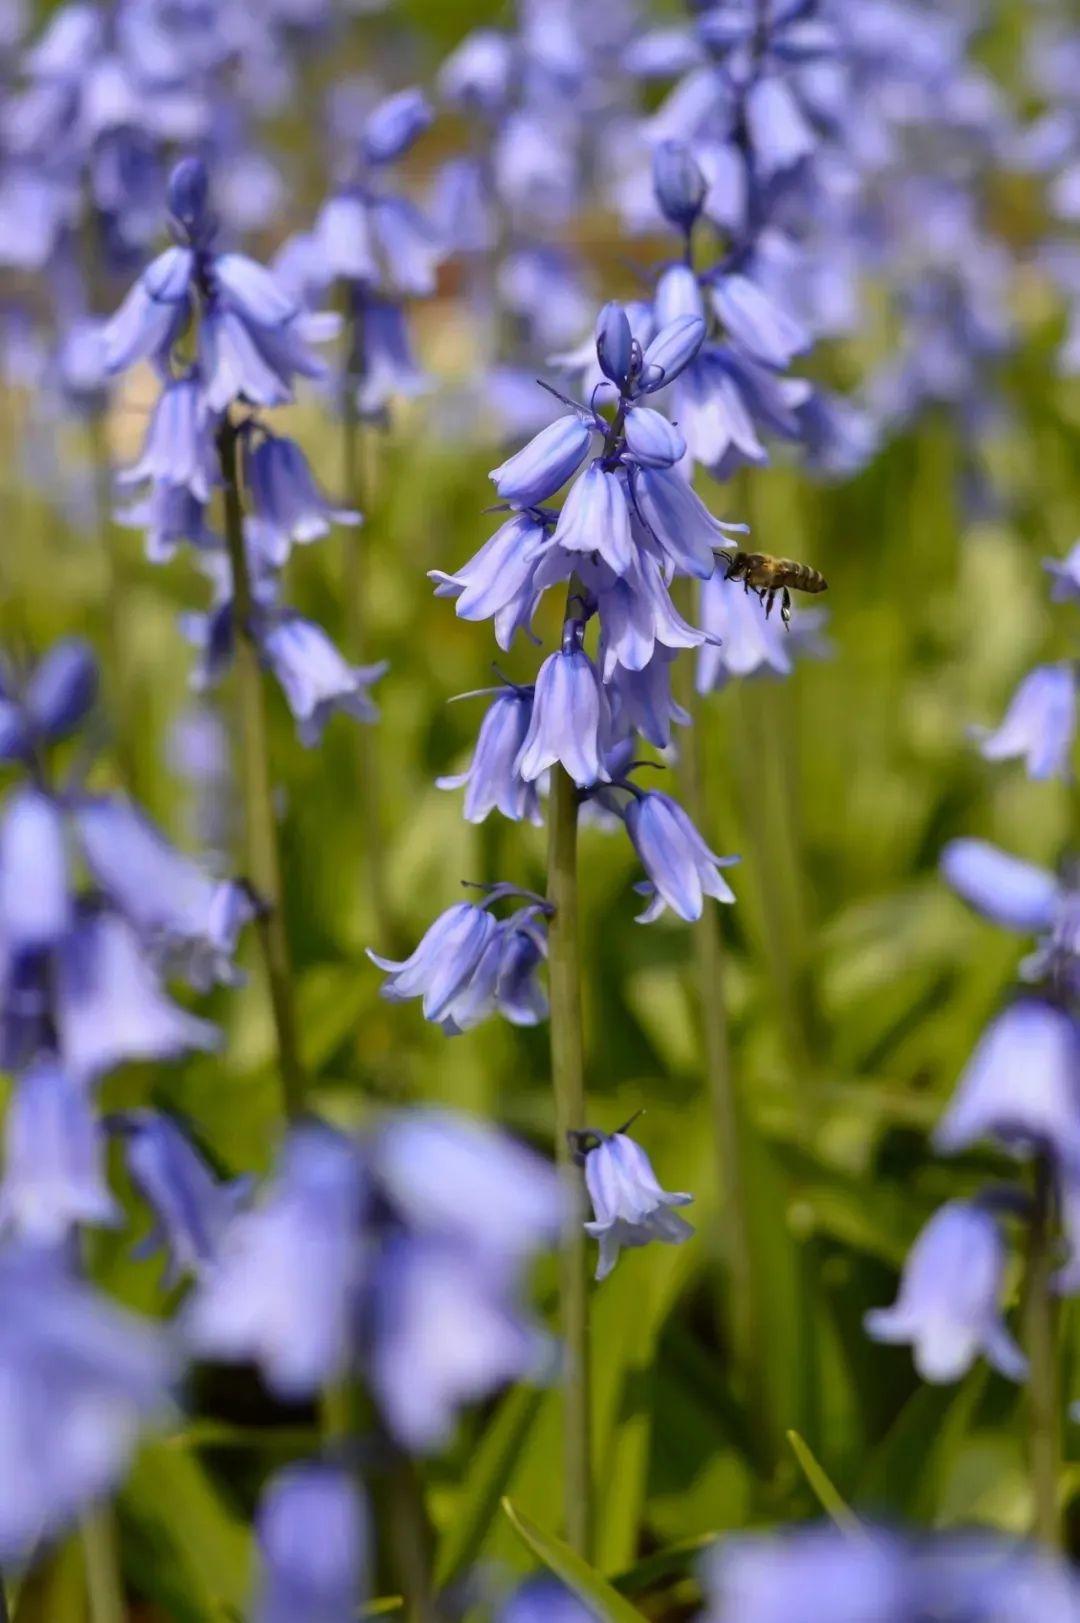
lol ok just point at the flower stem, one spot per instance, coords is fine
(359, 494)
(737, 1297)
(263, 857)
(1041, 1326)
(568, 1082)
(104, 1587)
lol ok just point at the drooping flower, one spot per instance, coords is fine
(570, 721)
(1012, 892)
(78, 1381)
(949, 1304)
(192, 1208)
(543, 1599)
(61, 689)
(36, 902)
(682, 869)
(444, 961)
(1039, 725)
(543, 466)
(284, 1290)
(498, 582)
(316, 680)
(629, 1206)
(314, 1542)
(1021, 1086)
(287, 505)
(492, 782)
(54, 1170)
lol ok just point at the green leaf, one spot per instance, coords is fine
(827, 1495)
(490, 1470)
(587, 1584)
(675, 1561)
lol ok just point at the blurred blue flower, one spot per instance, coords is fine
(284, 1290)
(642, 700)
(1021, 1086)
(1039, 724)
(682, 869)
(629, 1206)
(445, 1331)
(395, 124)
(36, 902)
(314, 1547)
(491, 781)
(54, 1172)
(678, 182)
(1065, 575)
(949, 1304)
(192, 1208)
(1012, 892)
(815, 1574)
(179, 449)
(543, 1599)
(286, 504)
(61, 689)
(316, 680)
(78, 1380)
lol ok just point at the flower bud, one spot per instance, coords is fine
(395, 124)
(678, 182)
(673, 348)
(189, 197)
(62, 688)
(652, 441)
(541, 467)
(614, 343)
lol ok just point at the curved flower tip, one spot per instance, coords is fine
(949, 1303)
(570, 722)
(316, 680)
(492, 782)
(1021, 1086)
(629, 1206)
(1039, 725)
(543, 466)
(682, 869)
(1012, 892)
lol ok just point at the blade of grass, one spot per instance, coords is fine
(826, 1493)
(586, 1583)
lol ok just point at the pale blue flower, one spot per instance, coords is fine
(949, 1303)
(286, 504)
(54, 1158)
(492, 782)
(36, 901)
(1039, 725)
(543, 1599)
(629, 1206)
(1012, 892)
(498, 582)
(314, 1541)
(315, 678)
(570, 720)
(682, 869)
(546, 463)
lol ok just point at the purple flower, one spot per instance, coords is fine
(178, 910)
(614, 344)
(642, 701)
(492, 782)
(283, 1291)
(62, 688)
(1065, 575)
(1008, 890)
(570, 720)
(670, 352)
(78, 1380)
(1021, 1086)
(679, 521)
(681, 868)
(314, 1544)
(154, 313)
(949, 1304)
(445, 1332)
(395, 124)
(746, 642)
(596, 518)
(110, 1007)
(54, 1173)
(766, 332)
(451, 1177)
(779, 132)
(546, 463)
(388, 368)
(543, 1599)
(629, 1206)
(1039, 725)
(286, 503)
(651, 441)
(815, 1574)
(316, 680)
(498, 582)
(36, 905)
(192, 1208)
(171, 517)
(678, 182)
(178, 450)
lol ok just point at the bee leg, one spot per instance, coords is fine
(785, 609)
(768, 598)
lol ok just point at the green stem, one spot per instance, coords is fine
(263, 856)
(739, 1310)
(1044, 1397)
(411, 1540)
(104, 1587)
(359, 493)
(568, 1082)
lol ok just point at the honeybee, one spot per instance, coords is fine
(769, 577)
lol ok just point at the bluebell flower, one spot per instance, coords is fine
(179, 446)
(54, 1171)
(110, 1006)
(778, 129)
(985, 1580)
(499, 582)
(36, 902)
(768, 334)
(629, 1206)
(154, 314)
(316, 680)
(1065, 575)
(543, 1599)
(171, 518)
(949, 1304)
(443, 962)
(679, 521)
(395, 124)
(191, 1206)
(388, 368)
(491, 781)
(379, 242)
(651, 440)
(614, 344)
(62, 688)
(681, 868)
(1039, 725)
(283, 1292)
(642, 700)
(595, 518)
(78, 1380)
(478, 73)
(518, 995)
(1021, 1086)
(180, 912)
(445, 1331)
(670, 352)
(453, 1177)
(570, 720)
(1012, 892)
(678, 182)
(815, 1574)
(286, 503)
(537, 471)
(314, 1543)
(637, 616)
